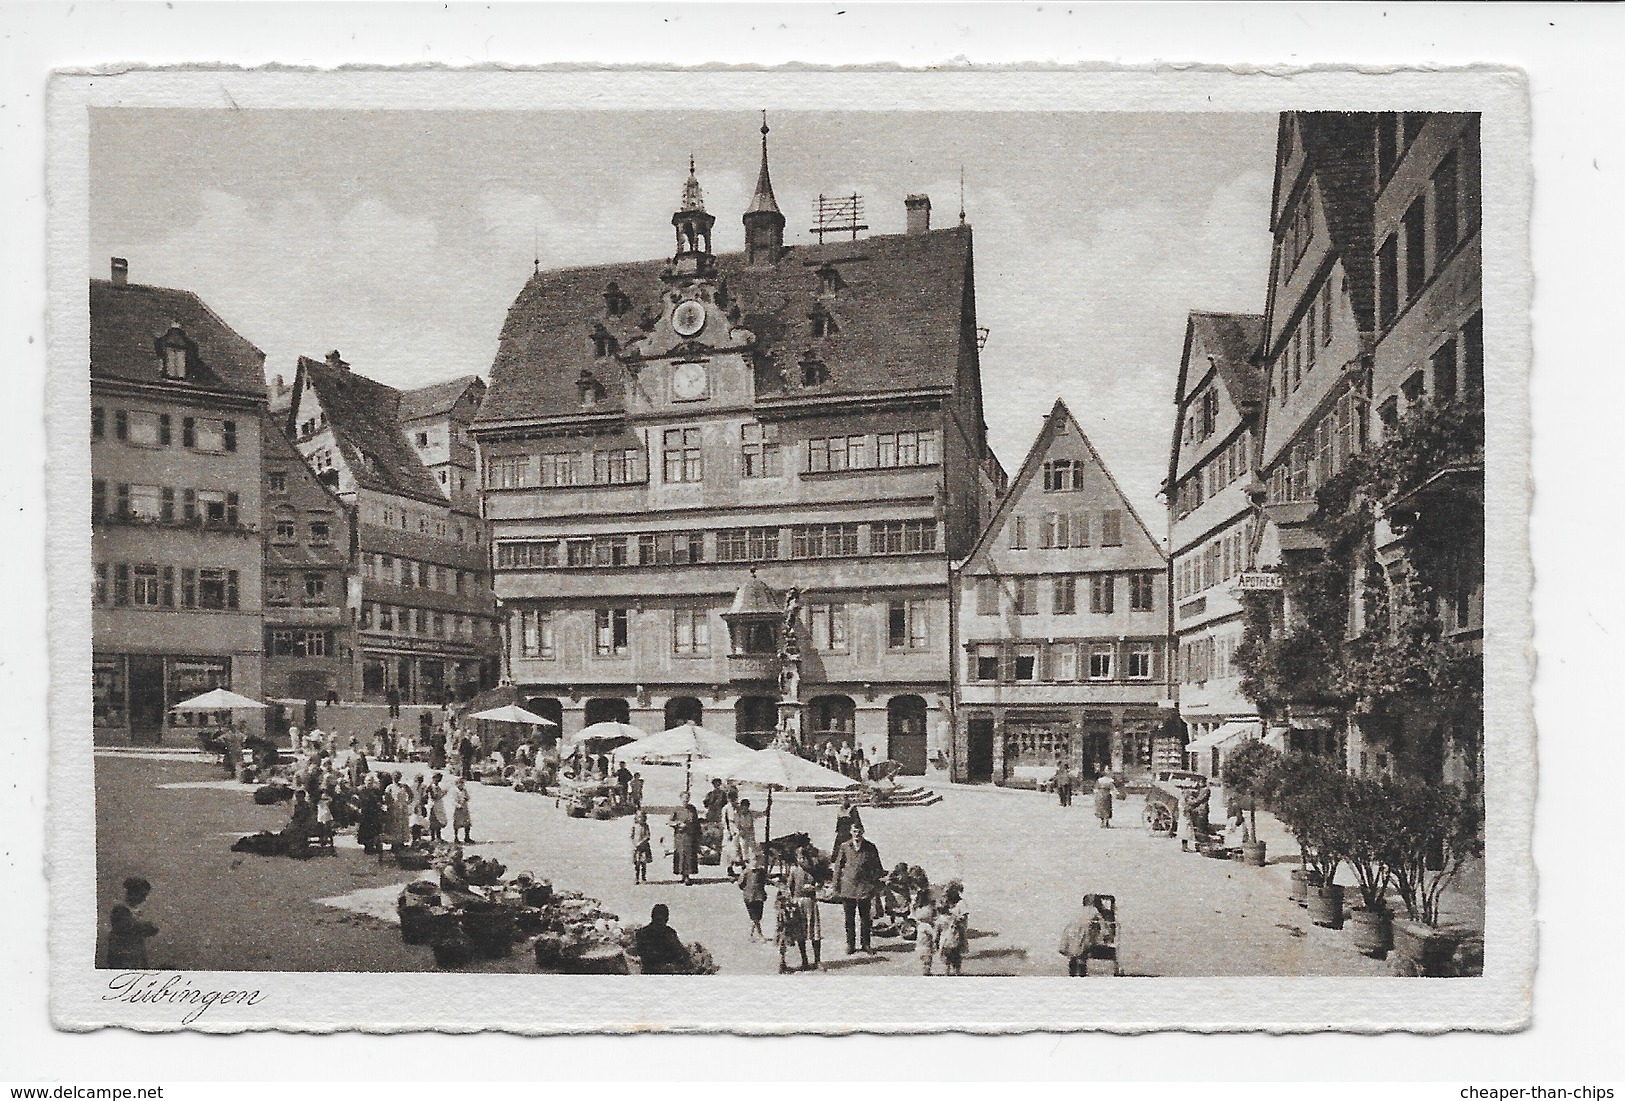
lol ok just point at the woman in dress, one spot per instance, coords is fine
(685, 843)
(1103, 801)
(437, 808)
(371, 825)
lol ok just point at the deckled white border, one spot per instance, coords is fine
(531, 1003)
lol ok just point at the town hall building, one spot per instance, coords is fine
(704, 470)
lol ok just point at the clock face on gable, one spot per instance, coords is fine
(689, 381)
(688, 318)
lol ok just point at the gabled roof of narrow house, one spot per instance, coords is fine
(129, 320)
(275, 445)
(896, 310)
(1060, 420)
(440, 398)
(1338, 156)
(1232, 340)
(364, 416)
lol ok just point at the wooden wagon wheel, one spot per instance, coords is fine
(1157, 818)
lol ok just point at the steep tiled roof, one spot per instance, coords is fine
(898, 316)
(127, 320)
(436, 399)
(1059, 418)
(1339, 151)
(1233, 340)
(365, 418)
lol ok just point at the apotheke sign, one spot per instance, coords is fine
(1258, 581)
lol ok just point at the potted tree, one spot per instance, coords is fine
(1248, 771)
(1370, 848)
(1438, 828)
(1290, 785)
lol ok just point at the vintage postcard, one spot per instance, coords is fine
(586, 550)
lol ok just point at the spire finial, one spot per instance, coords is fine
(764, 126)
(763, 201)
(961, 194)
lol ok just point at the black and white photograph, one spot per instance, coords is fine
(782, 540)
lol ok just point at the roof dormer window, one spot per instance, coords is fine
(813, 370)
(616, 302)
(829, 281)
(604, 343)
(174, 352)
(823, 324)
(590, 389)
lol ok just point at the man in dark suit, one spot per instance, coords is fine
(857, 873)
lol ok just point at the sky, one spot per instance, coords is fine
(401, 238)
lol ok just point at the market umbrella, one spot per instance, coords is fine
(217, 699)
(513, 714)
(778, 769)
(686, 743)
(610, 731)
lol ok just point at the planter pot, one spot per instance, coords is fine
(1373, 931)
(1252, 853)
(1303, 880)
(1423, 951)
(1326, 905)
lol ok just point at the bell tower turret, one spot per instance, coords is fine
(693, 225)
(764, 223)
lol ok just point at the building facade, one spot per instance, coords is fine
(1062, 615)
(177, 398)
(1211, 468)
(1317, 355)
(1428, 381)
(310, 616)
(425, 618)
(675, 450)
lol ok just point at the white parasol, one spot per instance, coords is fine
(687, 743)
(610, 731)
(777, 769)
(511, 713)
(217, 699)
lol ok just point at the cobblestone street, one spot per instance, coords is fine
(1024, 861)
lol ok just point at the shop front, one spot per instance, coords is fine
(132, 693)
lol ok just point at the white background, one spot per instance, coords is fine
(1571, 55)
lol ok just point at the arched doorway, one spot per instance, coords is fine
(684, 709)
(905, 733)
(831, 720)
(756, 720)
(553, 710)
(607, 709)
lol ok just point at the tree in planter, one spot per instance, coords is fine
(1437, 829)
(1371, 839)
(1310, 797)
(1248, 770)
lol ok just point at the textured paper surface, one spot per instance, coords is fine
(537, 1003)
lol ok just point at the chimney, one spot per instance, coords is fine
(121, 271)
(919, 213)
(334, 361)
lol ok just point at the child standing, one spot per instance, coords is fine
(790, 930)
(641, 851)
(953, 928)
(753, 883)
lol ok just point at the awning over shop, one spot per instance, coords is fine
(1223, 734)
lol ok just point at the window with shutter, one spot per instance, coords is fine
(231, 588)
(188, 432)
(121, 424)
(169, 587)
(98, 498)
(166, 510)
(121, 584)
(123, 506)
(231, 435)
(188, 588)
(189, 505)
(231, 509)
